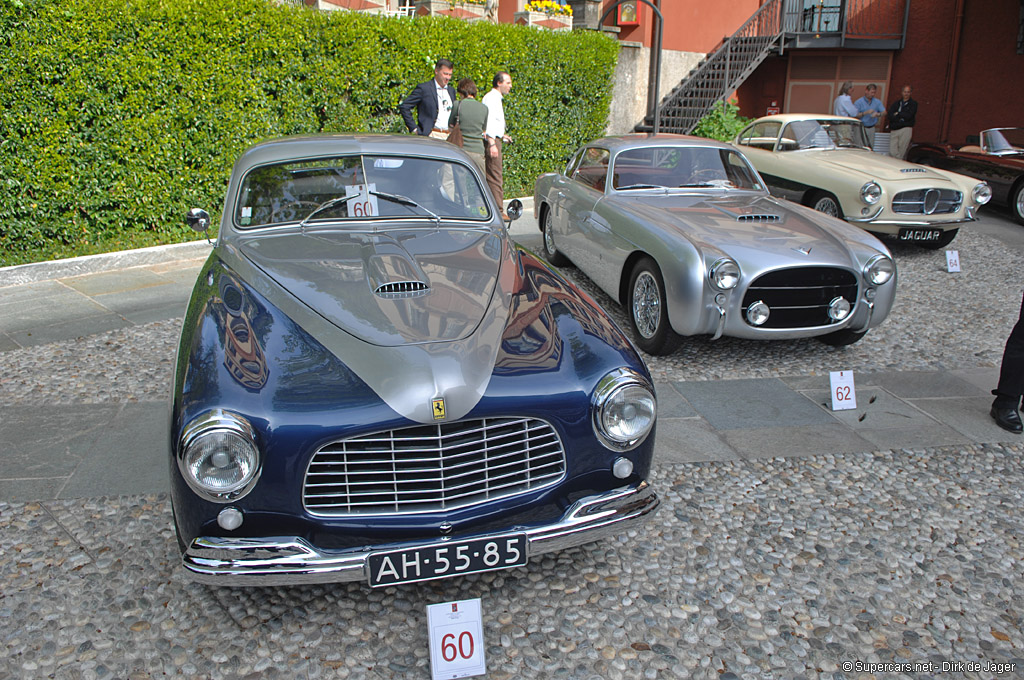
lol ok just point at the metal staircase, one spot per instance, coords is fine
(722, 71)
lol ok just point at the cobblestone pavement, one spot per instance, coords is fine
(779, 567)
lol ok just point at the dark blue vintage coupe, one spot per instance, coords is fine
(374, 383)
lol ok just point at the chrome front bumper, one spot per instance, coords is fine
(289, 560)
(970, 215)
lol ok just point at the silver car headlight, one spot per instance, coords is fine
(624, 409)
(870, 193)
(724, 274)
(879, 270)
(982, 194)
(218, 456)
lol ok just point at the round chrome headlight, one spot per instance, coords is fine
(839, 308)
(624, 409)
(870, 193)
(724, 274)
(982, 194)
(758, 313)
(218, 457)
(879, 270)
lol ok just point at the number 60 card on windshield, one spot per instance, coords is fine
(456, 639)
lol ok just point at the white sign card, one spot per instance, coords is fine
(365, 205)
(844, 397)
(953, 260)
(456, 639)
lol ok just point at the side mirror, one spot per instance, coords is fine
(514, 209)
(198, 219)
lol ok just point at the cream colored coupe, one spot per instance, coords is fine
(824, 162)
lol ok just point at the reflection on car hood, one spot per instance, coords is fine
(748, 227)
(878, 166)
(389, 288)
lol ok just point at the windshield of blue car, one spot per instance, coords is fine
(823, 133)
(682, 167)
(1004, 142)
(359, 188)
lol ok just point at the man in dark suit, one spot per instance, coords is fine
(433, 101)
(1011, 380)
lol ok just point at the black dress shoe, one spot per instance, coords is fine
(1008, 419)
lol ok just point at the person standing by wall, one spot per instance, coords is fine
(433, 101)
(1011, 380)
(495, 137)
(871, 112)
(902, 114)
(471, 116)
(843, 104)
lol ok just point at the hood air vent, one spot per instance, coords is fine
(759, 218)
(913, 170)
(402, 289)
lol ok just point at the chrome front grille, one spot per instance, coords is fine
(432, 468)
(927, 202)
(799, 297)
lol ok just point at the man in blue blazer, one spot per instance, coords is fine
(433, 101)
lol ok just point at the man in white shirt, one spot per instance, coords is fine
(843, 105)
(433, 101)
(495, 137)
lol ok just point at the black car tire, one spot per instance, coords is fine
(842, 338)
(645, 282)
(827, 203)
(550, 251)
(941, 242)
(1017, 202)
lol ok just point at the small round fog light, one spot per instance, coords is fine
(839, 309)
(758, 313)
(721, 299)
(622, 467)
(869, 294)
(229, 519)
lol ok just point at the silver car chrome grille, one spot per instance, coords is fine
(432, 468)
(927, 202)
(799, 297)
(759, 218)
(400, 289)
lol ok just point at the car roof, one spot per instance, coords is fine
(790, 117)
(636, 141)
(327, 145)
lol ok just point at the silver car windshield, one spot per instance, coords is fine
(682, 167)
(359, 188)
(1004, 142)
(823, 133)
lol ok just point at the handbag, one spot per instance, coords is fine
(455, 135)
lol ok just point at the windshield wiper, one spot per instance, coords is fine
(341, 200)
(640, 186)
(405, 200)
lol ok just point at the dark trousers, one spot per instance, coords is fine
(494, 179)
(1011, 374)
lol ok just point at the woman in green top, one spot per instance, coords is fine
(471, 116)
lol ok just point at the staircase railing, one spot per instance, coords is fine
(722, 71)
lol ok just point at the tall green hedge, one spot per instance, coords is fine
(116, 116)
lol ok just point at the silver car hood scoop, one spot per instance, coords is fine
(391, 288)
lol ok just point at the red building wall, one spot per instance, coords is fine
(977, 65)
(690, 25)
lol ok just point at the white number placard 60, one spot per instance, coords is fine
(365, 205)
(456, 639)
(844, 396)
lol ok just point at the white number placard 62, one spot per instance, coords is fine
(844, 396)
(456, 639)
(365, 203)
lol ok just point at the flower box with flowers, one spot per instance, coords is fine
(545, 14)
(470, 10)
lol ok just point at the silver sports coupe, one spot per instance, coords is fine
(683, 233)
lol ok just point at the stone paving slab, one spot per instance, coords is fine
(803, 440)
(750, 403)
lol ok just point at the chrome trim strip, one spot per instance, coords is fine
(289, 560)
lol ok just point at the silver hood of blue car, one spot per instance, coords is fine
(418, 313)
